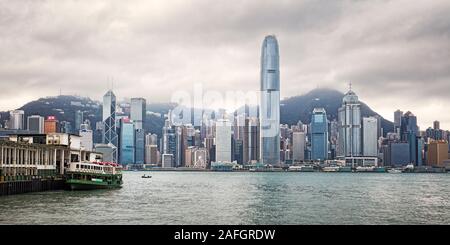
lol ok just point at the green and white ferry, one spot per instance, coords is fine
(93, 175)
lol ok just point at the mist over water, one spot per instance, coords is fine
(243, 198)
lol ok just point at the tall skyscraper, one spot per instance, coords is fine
(370, 136)
(138, 112)
(127, 142)
(35, 124)
(168, 142)
(139, 143)
(436, 125)
(349, 124)
(109, 123)
(409, 132)
(16, 119)
(180, 146)
(398, 114)
(78, 119)
(223, 141)
(298, 146)
(319, 134)
(254, 139)
(270, 102)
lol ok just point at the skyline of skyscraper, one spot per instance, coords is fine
(270, 102)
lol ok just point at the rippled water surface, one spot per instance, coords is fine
(243, 198)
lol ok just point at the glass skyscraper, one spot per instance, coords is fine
(138, 112)
(319, 135)
(409, 132)
(269, 108)
(349, 126)
(127, 140)
(139, 145)
(109, 123)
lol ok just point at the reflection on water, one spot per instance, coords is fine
(243, 198)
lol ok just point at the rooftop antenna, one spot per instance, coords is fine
(350, 86)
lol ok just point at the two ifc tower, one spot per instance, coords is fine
(269, 107)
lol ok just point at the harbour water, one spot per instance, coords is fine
(243, 198)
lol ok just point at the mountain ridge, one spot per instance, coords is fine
(292, 110)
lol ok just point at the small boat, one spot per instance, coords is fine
(394, 171)
(146, 176)
(330, 169)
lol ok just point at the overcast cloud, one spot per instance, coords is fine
(396, 53)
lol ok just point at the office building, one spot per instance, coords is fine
(151, 139)
(319, 135)
(253, 140)
(200, 158)
(349, 126)
(436, 125)
(437, 153)
(16, 119)
(167, 161)
(399, 154)
(51, 125)
(270, 102)
(127, 142)
(409, 132)
(223, 141)
(151, 154)
(398, 114)
(35, 124)
(139, 144)
(370, 136)
(78, 120)
(110, 135)
(298, 146)
(138, 112)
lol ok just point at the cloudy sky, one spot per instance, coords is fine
(396, 53)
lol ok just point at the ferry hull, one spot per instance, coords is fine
(75, 184)
(81, 186)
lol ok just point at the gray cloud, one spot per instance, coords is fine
(397, 54)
